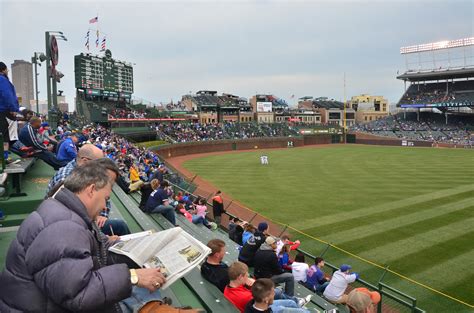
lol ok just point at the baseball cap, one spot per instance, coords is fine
(262, 226)
(345, 267)
(45, 124)
(270, 240)
(358, 301)
(374, 295)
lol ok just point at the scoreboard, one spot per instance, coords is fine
(103, 76)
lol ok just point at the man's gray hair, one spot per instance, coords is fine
(93, 172)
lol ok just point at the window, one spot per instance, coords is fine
(365, 118)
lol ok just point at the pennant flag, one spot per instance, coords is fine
(87, 41)
(103, 45)
(97, 40)
(94, 20)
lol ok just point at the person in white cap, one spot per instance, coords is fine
(334, 292)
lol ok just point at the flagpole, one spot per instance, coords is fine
(345, 122)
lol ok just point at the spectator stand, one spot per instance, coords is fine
(393, 300)
(204, 234)
(208, 296)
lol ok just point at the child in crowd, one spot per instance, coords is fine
(284, 258)
(249, 230)
(299, 268)
(285, 240)
(235, 231)
(199, 213)
(181, 209)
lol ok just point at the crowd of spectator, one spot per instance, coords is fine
(138, 169)
(188, 132)
(272, 265)
(459, 92)
(127, 113)
(430, 127)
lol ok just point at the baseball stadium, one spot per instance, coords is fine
(383, 197)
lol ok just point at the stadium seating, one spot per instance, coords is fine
(204, 235)
(430, 127)
(190, 132)
(459, 92)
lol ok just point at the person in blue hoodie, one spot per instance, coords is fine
(67, 150)
(9, 106)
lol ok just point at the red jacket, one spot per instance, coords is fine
(239, 296)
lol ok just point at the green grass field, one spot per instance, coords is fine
(409, 208)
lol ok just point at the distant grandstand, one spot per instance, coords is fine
(441, 78)
(438, 103)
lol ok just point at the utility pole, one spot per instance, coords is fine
(344, 121)
(35, 61)
(38, 56)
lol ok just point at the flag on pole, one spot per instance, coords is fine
(94, 20)
(103, 45)
(97, 40)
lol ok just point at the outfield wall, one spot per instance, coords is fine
(369, 139)
(174, 150)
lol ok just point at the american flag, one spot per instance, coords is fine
(94, 20)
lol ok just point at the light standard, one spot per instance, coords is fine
(52, 75)
(38, 56)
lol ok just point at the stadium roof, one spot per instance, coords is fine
(442, 74)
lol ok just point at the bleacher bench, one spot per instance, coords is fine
(15, 170)
(212, 299)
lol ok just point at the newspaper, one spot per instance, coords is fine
(173, 251)
(136, 235)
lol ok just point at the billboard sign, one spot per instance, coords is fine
(264, 107)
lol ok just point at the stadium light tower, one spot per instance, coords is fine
(436, 46)
(41, 57)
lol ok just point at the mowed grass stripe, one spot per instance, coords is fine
(379, 223)
(435, 254)
(308, 188)
(407, 231)
(394, 249)
(443, 272)
(340, 217)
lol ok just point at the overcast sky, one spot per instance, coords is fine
(241, 47)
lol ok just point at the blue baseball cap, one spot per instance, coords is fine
(345, 267)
